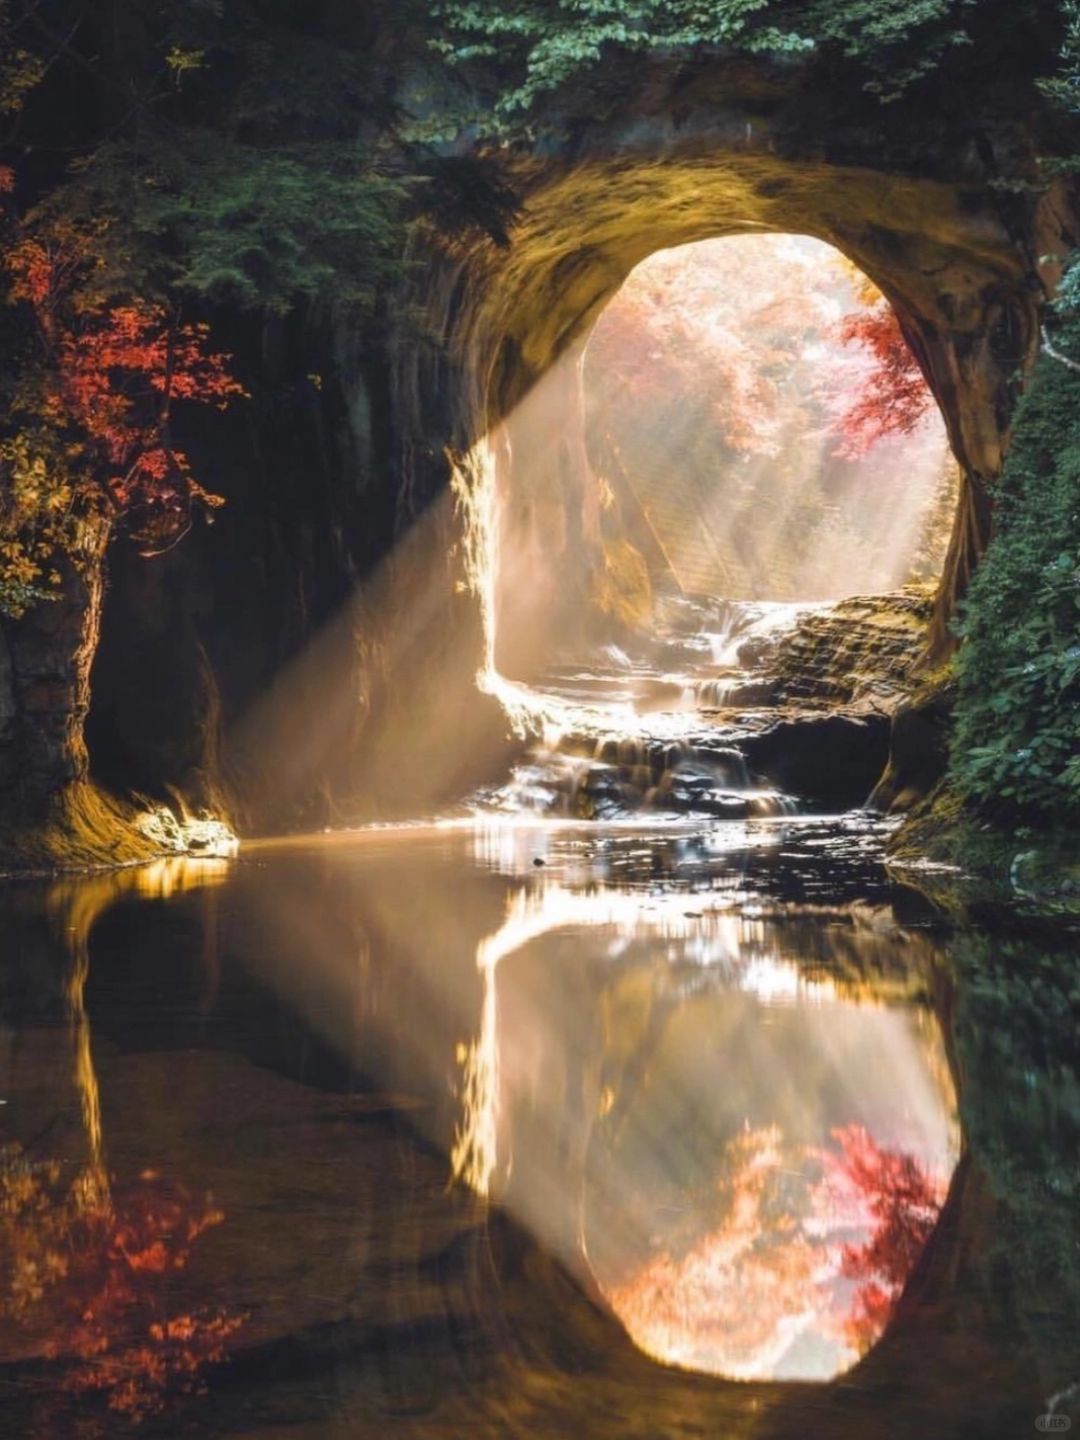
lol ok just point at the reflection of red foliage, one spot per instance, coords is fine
(729, 1303)
(136, 1377)
(811, 1242)
(113, 1305)
(894, 397)
(901, 1203)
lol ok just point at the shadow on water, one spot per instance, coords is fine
(513, 1128)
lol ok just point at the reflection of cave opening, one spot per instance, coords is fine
(743, 425)
(749, 1150)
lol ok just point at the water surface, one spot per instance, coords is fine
(522, 1128)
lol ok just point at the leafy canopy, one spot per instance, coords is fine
(164, 155)
(553, 42)
(220, 220)
(546, 43)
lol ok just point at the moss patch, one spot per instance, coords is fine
(961, 859)
(83, 829)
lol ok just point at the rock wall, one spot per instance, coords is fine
(190, 639)
(860, 653)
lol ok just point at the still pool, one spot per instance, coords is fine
(513, 1129)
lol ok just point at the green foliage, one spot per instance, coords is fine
(1016, 748)
(544, 43)
(20, 69)
(553, 42)
(236, 151)
(1064, 86)
(219, 220)
(36, 520)
(900, 41)
(1068, 297)
(266, 72)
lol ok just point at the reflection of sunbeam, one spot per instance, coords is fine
(94, 1181)
(76, 906)
(474, 1153)
(532, 913)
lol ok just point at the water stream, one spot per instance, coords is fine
(638, 728)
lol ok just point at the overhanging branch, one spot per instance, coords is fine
(1056, 354)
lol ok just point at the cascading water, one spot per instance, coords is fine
(626, 728)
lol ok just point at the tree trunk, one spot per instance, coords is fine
(970, 537)
(45, 661)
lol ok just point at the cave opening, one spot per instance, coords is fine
(738, 399)
(740, 442)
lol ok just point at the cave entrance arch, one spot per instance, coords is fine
(725, 150)
(725, 449)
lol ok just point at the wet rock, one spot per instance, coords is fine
(758, 651)
(858, 652)
(726, 764)
(600, 795)
(657, 695)
(696, 794)
(731, 695)
(830, 759)
(918, 751)
(632, 752)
